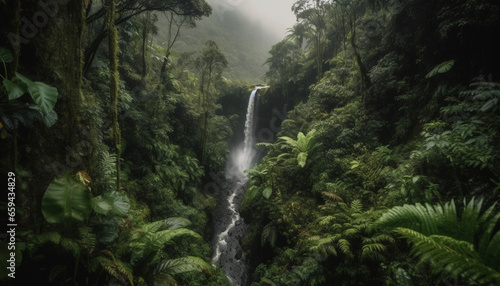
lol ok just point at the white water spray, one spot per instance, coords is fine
(227, 250)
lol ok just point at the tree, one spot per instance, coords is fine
(175, 23)
(313, 14)
(147, 27)
(211, 63)
(127, 9)
(113, 85)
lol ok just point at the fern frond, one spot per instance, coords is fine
(153, 227)
(369, 249)
(421, 218)
(326, 220)
(53, 237)
(324, 246)
(352, 231)
(56, 270)
(357, 206)
(379, 238)
(176, 222)
(345, 247)
(451, 256)
(88, 239)
(160, 238)
(182, 265)
(70, 245)
(116, 268)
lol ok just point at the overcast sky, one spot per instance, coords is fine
(273, 15)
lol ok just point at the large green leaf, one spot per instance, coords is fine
(66, 198)
(14, 90)
(302, 159)
(119, 202)
(5, 55)
(267, 192)
(50, 118)
(43, 94)
(101, 205)
(441, 68)
(111, 202)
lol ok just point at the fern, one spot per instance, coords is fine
(116, 268)
(55, 271)
(345, 247)
(71, 246)
(53, 237)
(88, 239)
(451, 256)
(324, 246)
(182, 265)
(460, 244)
(357, 206)
(164, 236)
(326, 220)
(176, 222)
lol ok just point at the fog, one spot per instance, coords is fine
(273, 15)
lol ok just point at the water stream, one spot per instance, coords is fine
(229, 226)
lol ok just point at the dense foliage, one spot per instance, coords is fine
(110, 145)
(395, 103)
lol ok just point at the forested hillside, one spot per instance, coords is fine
(386, 170)
(245, 44)
(378, 144)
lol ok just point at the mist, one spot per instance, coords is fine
(274, 16)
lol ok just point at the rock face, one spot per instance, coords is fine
(228, 253)
(229, 226)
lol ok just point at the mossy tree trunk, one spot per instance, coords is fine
(113, 86)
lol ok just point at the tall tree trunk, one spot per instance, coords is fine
(205, 118)
(113, 86)
(365, 78)
(145, 31)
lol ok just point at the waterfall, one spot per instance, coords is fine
(249, 143)
(229, 226)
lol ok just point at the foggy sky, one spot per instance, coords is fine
(274, 15)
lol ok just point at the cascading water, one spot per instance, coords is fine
(229, 226)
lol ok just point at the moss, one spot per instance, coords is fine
(113, 86)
